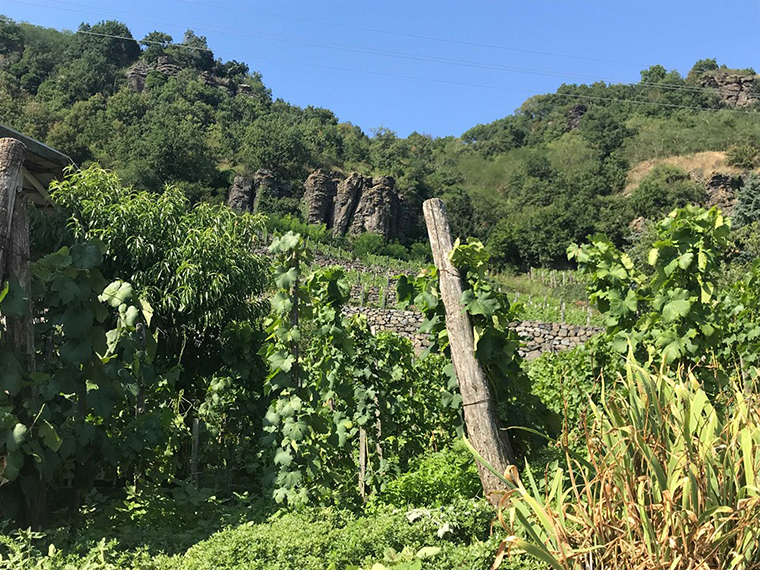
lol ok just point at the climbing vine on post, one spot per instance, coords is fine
(309, 421)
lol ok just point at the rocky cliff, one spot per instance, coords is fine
(735, 90)
(137, 75)
(251, 193)
(356, 204)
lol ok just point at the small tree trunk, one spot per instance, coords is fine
(480, 415)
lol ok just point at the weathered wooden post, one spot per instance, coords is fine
(12, 154)
(480, 415)
(362, 463)
(194, 470)
(14, 233)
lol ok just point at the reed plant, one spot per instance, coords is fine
(668, 480)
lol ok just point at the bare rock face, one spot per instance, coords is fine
(575, 114)
(267, 187)
(249, 193)
(241, 194)
(356, 204)
(136, 76)
(346, 200)
(319, 194)
(351, 206)
(166, 66)
(721, 192)
(735, 90)
(375, 208)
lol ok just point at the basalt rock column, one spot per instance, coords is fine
(319, 194)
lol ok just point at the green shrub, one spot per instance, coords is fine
(315, 539)
(435, 479)
(664, 188)
(743, 156)
(395, 250)
(368, 244)
(564, 381)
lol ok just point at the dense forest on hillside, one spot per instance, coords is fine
(558, 169)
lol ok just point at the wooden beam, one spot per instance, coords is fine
(36, 184)
(481, 420)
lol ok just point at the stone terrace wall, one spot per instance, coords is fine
(551, 337)
(403, 323)
(539, 337)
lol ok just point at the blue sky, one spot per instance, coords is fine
(326, 53)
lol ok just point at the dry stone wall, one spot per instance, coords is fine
(539, 337)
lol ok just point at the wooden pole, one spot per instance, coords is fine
(194, 471)
(15, 244)
(21, 329)
(12, 155)
(480, 415)
(362, 463)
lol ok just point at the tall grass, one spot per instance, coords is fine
(670, 481)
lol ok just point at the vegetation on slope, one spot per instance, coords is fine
(527, 184)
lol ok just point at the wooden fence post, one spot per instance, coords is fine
(194, 471)
(362, 463)
(480, 415)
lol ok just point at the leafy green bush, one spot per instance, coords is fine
(435, 479)
(672, 315)
(316, 539)
(664, 188)
(368, 244)
(567, 382)
(743, 156)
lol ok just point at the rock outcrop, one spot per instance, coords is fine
(136, 76)
(721, 192)
(319, 196)
(138, 73)
(346, 198)
(241, 194)
(575, 114)
(377, 208)
(356, 204)
(250, 193)
(735, 90)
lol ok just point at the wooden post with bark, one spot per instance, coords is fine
(12, 155)
(480, 415)
(14, 241)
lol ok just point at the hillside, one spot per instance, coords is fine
(562, 166)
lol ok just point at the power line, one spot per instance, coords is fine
(440, 81)
(406, 34)
(385, 53)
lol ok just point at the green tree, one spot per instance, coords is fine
(193, 264)
(664, 188)
(747, 209)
